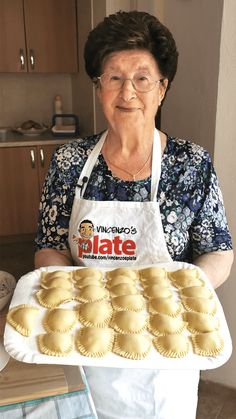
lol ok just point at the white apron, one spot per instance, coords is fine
(121, 233)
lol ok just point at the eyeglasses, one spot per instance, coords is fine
(142, 83)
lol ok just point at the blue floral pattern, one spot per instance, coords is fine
(191, 204)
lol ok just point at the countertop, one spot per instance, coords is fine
(14, 139)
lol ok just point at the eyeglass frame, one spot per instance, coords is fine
(99, 79)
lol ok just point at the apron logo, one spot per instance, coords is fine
(92, 246)
(86, 232)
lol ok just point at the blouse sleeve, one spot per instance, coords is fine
(56, 201)
(210, 230)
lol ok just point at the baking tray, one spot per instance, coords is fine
(25, 349)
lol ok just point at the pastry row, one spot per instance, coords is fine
(130, 342)
(151, 276)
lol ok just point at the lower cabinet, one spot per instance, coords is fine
(22, 173)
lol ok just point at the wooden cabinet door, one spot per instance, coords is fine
(44, 157)
(12, 37)
(51, 35)
(19, 193)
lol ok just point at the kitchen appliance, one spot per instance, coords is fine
(65, 125)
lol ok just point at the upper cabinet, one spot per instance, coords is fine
(12, 36)
(38, 36)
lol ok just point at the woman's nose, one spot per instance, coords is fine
(127, 91)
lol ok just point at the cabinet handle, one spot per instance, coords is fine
(42, 160)
(32, 59)
(32, 159)
(22, 59)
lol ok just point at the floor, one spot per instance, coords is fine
(215, 401)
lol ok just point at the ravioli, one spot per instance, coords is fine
(53, 297)
(188, 282)
(201, 322)
(48, 276)
(92, 293)
(208, 344)
(161, 324)
(60, 320)
(57, 282)
(94, 341)
(184, 273)
(156, 280)
(123, 289)
(132, 273)
(134, 302)
(132, 346)
(172, 346)
(87, 272)
(155, 291)
(166, 306)
(128, 322)
(55, 344)
(183, 278)
(201, 305)
(23, 318)
(119, 279)
(97, 313)
(196, 291)
(84, 282)
(152, 272)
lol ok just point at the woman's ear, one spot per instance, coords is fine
(97, 86)
(98, 92)
(163, 87)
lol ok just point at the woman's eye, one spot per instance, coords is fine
(142, 78)
(115, 77)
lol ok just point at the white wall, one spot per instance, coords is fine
(225, 163)
(190, 107)
(31, 96)
(113, 6)
(154, 7)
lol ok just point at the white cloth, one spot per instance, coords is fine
(126, 234)
(142, 394)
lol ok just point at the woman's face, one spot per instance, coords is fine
(127, 108)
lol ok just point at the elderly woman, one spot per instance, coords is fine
(134, 196)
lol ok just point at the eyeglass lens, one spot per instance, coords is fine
(141, 82)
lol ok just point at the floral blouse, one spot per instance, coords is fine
(191, 205)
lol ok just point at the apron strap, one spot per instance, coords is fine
(92, 158)
(89, 165)
(156, 165)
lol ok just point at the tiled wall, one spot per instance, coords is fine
(31, 96)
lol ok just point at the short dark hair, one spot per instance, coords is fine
(131, 30)
(87, 222)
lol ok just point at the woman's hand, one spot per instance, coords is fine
(216, 265)
(52, 257)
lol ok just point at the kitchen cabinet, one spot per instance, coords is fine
(38, 36)
(22, 173)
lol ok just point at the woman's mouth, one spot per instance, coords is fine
(126, 109)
